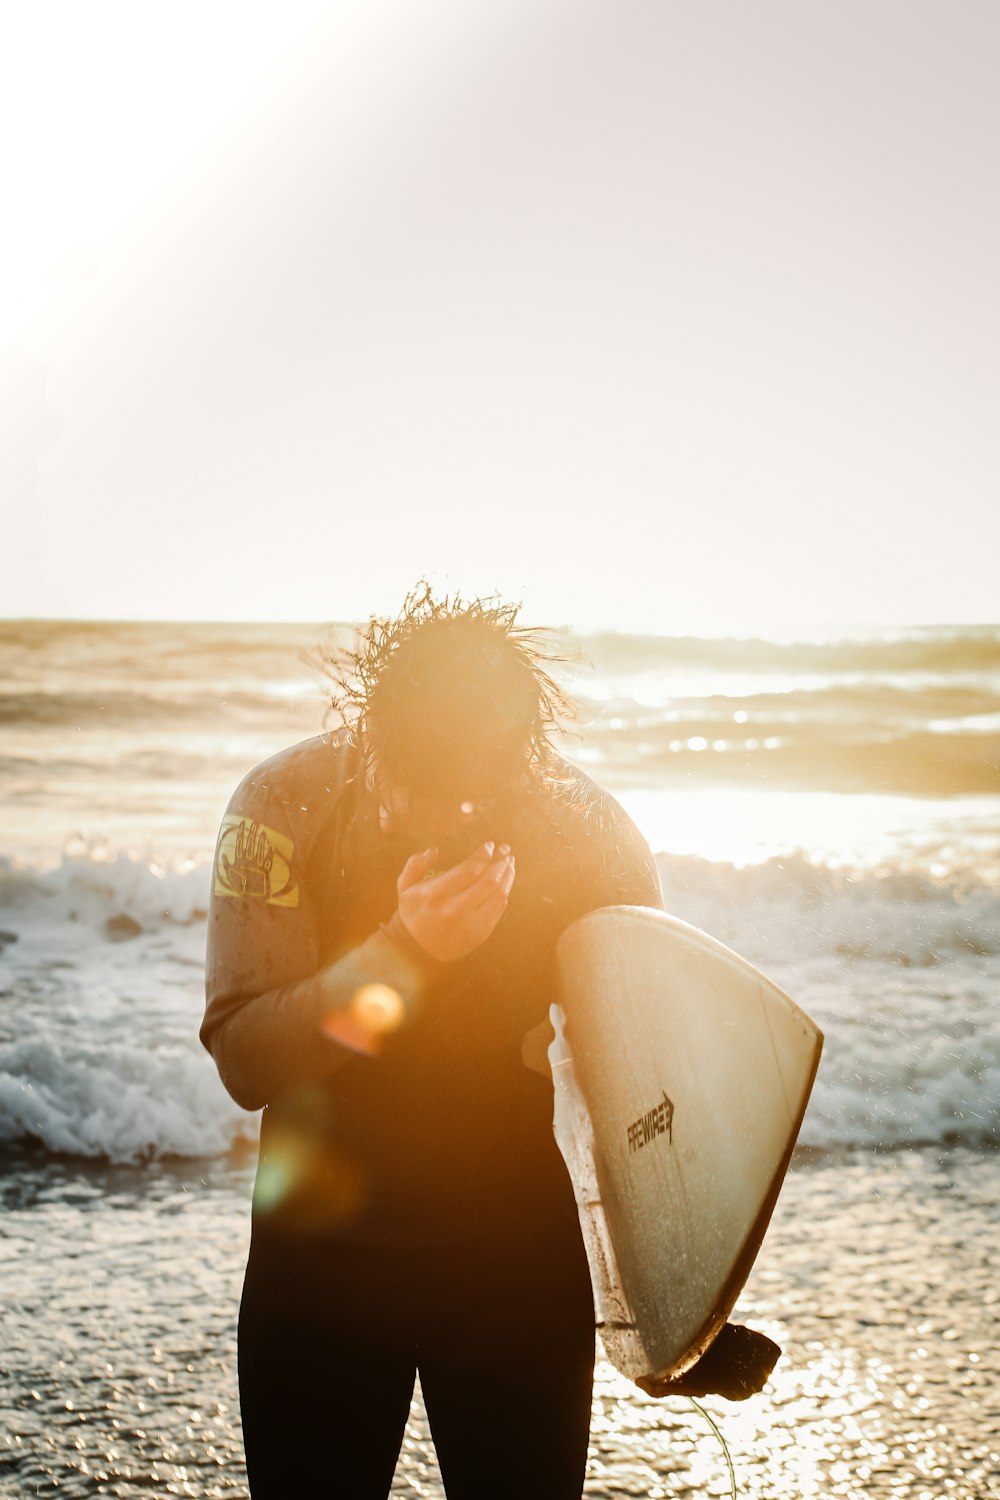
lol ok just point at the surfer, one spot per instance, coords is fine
(386, 904)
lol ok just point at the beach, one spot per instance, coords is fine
(877, 1277)
(757, 770)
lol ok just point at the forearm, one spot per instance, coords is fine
(302, 1032)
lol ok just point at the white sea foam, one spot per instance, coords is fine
(119, 1101)
(790, 908)
(103, 994)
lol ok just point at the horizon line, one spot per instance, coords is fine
(719, 632)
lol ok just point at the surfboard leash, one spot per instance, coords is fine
(736, 1365)
(725, 1447)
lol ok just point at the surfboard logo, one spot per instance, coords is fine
(255, 862)
(656, 1122)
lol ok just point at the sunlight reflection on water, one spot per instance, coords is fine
(877, 1277)
(747, 827)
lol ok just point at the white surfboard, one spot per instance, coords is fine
(681, 1078)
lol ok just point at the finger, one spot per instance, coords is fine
(484, 917)
(462, 876)
(496, 881)
(415, 869)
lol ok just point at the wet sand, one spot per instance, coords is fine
(878, 1278)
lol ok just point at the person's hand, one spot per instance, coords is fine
(452, 913)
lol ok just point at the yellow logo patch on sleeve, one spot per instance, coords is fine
(254, 862)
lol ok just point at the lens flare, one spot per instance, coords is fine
(374, 1011)
(313, 1187)
(274, 1179)
(378, 1009)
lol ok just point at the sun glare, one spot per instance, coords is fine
(99, 139)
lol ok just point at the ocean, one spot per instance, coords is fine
(827, 803)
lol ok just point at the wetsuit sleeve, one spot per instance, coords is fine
(274, 1017)
(611, 866)
(623, 870)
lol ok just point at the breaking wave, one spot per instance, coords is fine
(102, 998)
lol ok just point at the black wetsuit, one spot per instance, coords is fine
(411, 1210)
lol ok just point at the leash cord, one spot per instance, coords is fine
(725, 1449)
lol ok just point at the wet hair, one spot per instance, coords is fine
(451, 696)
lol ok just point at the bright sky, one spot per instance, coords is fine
(666, 315)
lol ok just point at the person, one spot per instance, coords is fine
(381, 960)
